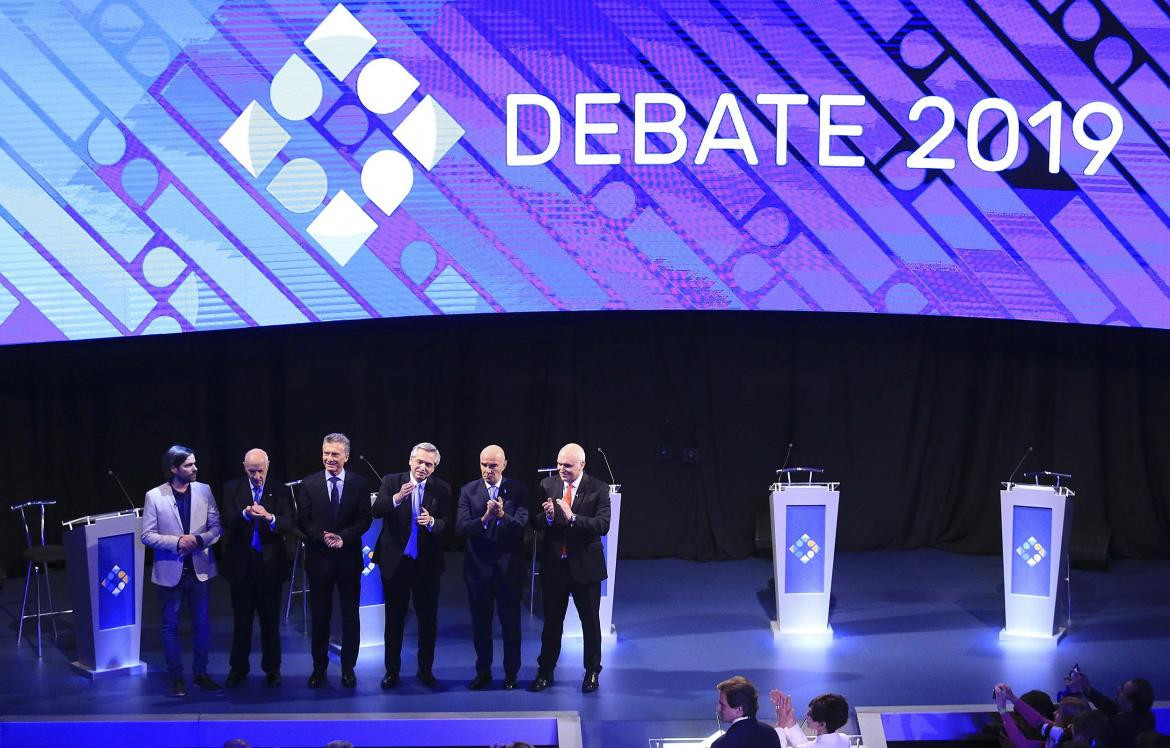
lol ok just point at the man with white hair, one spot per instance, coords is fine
(574, 520)
(415, 507)
(256, 515)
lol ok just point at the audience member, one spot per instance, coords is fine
(1129, 711)
(738, 703)
(1052, 731)
(826, 714)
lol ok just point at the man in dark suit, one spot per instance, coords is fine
(333, 512)
(492, 515)
(738, 703)
(415, 507)
(575, 518)
(255, 515)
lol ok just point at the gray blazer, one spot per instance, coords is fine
(161, 528)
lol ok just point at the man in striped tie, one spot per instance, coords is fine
(574, 520)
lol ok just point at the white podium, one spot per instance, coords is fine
(609, 546)
(1035, 523)
(804, 542)
(105, 566)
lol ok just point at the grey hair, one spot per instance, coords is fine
(426, 447)
(337, 438)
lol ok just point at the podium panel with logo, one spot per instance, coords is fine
(371, 600)
(609, 546)
(105, 559)
(804, 542)
(1035, 522)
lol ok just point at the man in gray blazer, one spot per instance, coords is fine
(180, 522)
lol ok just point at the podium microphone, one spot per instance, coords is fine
(114, 475)
(371, 467)
(1019, 464)
(612, 480)
(292, 483)
(786, 456)
(547, 470)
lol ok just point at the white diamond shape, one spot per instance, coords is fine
(340, 41)
(254, 139)
(428, 132)
(341, 228)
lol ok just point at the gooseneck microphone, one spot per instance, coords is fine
(110, 472)
(292, 483)
(612, 480)
(1019, 464)
(786, 456)
(371, 467)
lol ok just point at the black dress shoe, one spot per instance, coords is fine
(479, 682)
(510, 683)
(349, 679)
(540, 684)
(590, 683)
(317, 679)
(390, 681)
(235, 678)
(178, 688)
(428, 678)
(206, 683)
(272, 679)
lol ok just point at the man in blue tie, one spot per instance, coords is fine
(333, 511)
(415, 506)
(256, 515)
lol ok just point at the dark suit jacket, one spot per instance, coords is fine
(397, 521)
(236, 543)
(749, 733)
(315, 516)
(582, 540)
(498, 548)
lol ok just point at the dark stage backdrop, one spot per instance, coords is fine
(919, 418)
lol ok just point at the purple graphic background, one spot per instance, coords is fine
(122, 213)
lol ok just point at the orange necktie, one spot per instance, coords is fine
(568, 500)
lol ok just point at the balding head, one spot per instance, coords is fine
(492, 463)
(570, 462)
(256, 466)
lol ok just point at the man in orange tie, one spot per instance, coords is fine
(574, 520)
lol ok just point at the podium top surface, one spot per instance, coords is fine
(1043, 487)
(91, 519)
(786, 486)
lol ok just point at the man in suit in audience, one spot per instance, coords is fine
(738, 703)
(333, 512)
(415, 507)
(180, 522)
(493, 512)
(575, 518)
(256, 515)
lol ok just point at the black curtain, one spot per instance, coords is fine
(918, 417)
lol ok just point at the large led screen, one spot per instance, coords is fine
(195, 165)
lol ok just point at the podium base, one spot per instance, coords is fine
(779, 632)
(607, 637)
(1050, 640)
(136, 668)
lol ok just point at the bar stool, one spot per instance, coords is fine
(40, 555)
(302, 589)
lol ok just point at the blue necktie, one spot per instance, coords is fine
(334, 496)
(411, 549)
(256, 490)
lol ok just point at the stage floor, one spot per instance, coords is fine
(910, 628)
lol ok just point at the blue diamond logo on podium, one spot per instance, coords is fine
(805, 548)
(368, 555)
(115, 581)
(1031, 551)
